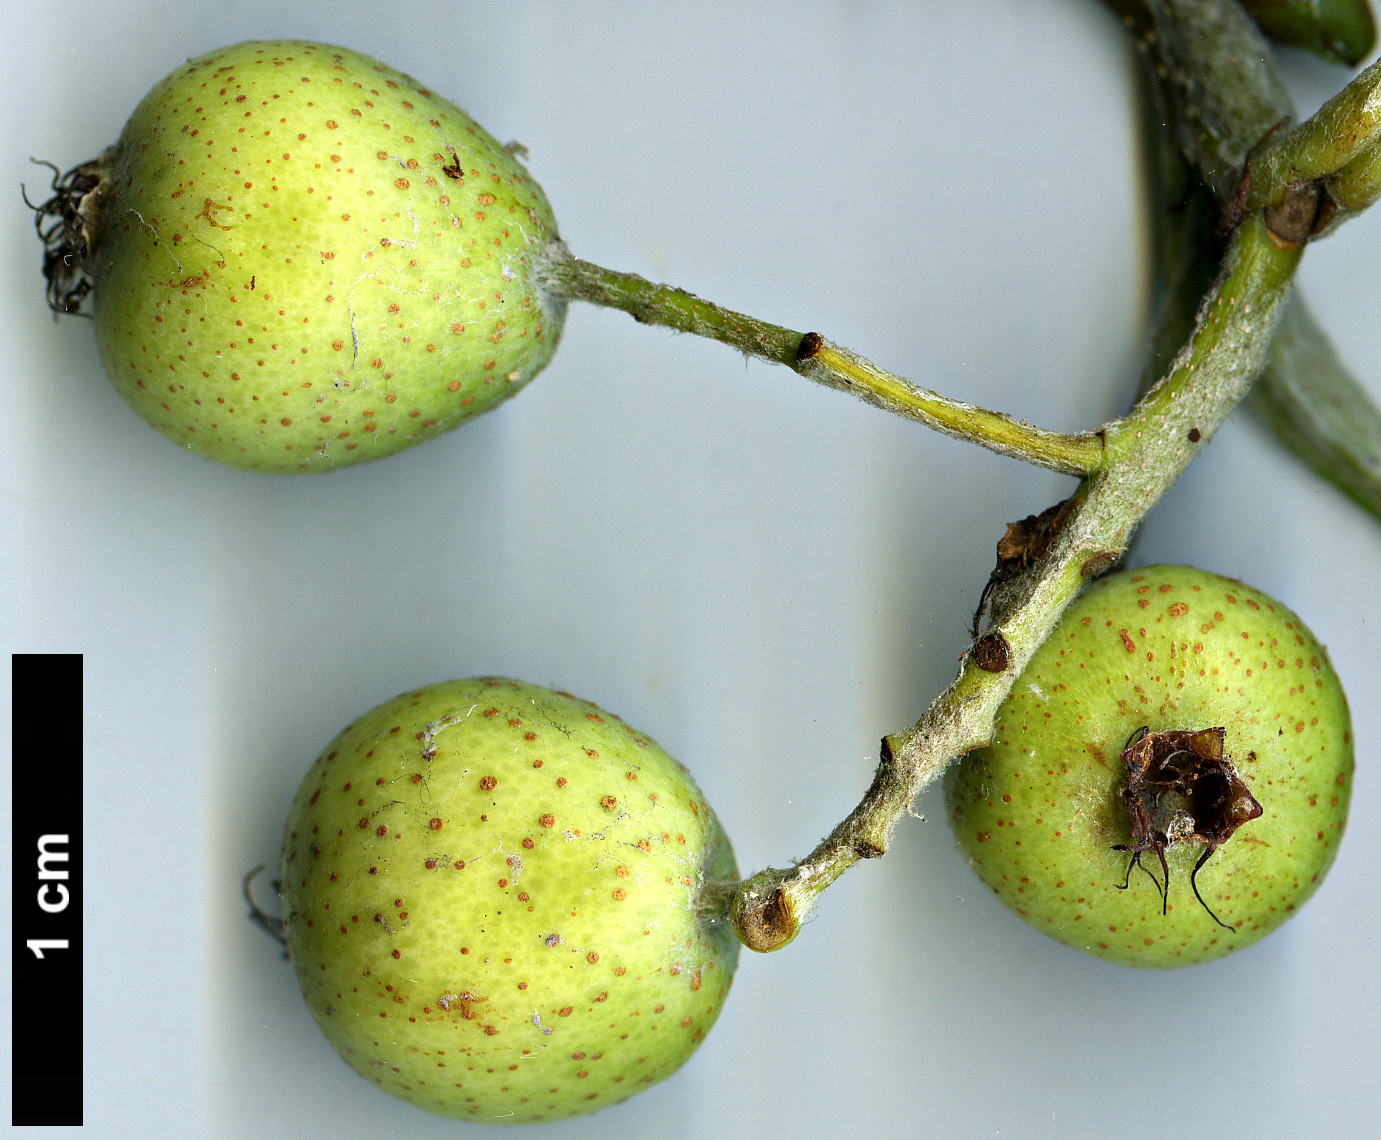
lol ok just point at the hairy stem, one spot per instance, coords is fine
(1337, 147)
(817, 359)
(1218, 84)
(1224, 99)
(1146, 452)
(1305, 393)
(1215, 75)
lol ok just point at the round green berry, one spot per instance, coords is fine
(1169, 777)
(504, 903)
(303, 258)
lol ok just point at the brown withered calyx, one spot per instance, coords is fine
(1181, 786)
(1026, 542)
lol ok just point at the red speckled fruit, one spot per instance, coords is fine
(1106, 757)
(499, 903)
(303, 259)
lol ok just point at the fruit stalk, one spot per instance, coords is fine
(1305, 394)
(1145, 454)
(1227, 109)
(1221, 124)
(1225, 97)
(1338, 148)
(1127, 465)
(817, 359)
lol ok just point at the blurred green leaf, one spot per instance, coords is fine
(1318, 409)
(1304, 392)
(1341, 31)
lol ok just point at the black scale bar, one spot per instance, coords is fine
(46, 955)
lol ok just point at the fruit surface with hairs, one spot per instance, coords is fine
(1045, 814)
(303, 259)
(500, 902)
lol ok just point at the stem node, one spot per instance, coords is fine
(761, 913)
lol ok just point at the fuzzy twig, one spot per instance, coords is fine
(1214, 68)
(817, 359)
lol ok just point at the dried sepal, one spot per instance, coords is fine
(64, 225)
(1026, 542)
(1181, 787)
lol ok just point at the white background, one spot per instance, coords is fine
(765, 576)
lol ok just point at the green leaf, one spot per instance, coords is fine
(1341, 31)
(1318, 409)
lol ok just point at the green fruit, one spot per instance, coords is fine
(502, 902)
(1068, 829)
(304, 259)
